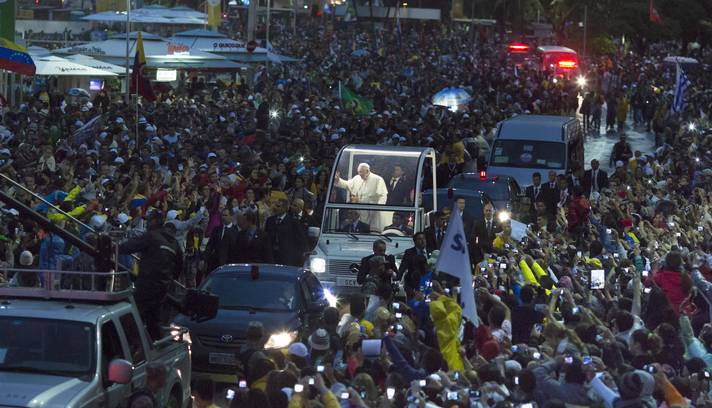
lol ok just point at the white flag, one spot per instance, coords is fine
(454, 259)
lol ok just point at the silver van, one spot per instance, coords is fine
(527, 144)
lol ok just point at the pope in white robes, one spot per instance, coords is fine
(367, 188)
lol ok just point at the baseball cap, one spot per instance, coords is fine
(298, 350)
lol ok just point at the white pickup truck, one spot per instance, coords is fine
(83, 348)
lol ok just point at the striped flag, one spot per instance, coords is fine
(140, 84)
(681, 85)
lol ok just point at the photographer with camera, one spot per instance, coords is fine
(375, 275)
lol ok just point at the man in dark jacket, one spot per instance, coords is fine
(594, 179)
(414, 265)
(621, 151)
(435, 233)
(252, 243)
(533, 193)
(222, 247)
(286, 236)
(398, 187)
(484, 233)
(161, 260)
(381, 276)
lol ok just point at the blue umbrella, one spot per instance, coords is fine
(361, 52)
(78, 92)
(451, 97)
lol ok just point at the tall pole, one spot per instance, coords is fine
(269, 8)
(472, 21)
(294, 17)
(251, 20)
(585, 30)
(128, 84)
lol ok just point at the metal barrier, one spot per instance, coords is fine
(68, 285)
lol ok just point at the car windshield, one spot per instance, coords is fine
(241, 292)
(473, 205)
(374, 222)
(495, 190)
(529, 154)
(44, 346)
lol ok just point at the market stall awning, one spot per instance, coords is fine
(259, 55)
(97, 64)
(160, 53)
(50, 65)
(192, 64)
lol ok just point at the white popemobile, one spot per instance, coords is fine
(375, 192)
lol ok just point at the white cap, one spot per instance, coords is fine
(123, 218)
(26, 258)
(97, 221)
(171, 215)
(619, 163)
(119, 160)
(211, 154)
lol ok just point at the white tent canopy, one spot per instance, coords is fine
(159, 53)
(56, 66)
(216, 43)
(96, 64)
(153, 15)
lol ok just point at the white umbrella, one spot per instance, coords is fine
(97, 64)
(56, 66)
(451, 98)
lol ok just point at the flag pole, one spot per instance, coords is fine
(128, 79)
(137, 94)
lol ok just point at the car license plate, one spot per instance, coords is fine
(222, 359)
(350, 282)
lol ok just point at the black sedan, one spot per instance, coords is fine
(474, 201)
(503, 190)
(287, 300)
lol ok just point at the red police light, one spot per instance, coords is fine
(567, 64)
(518, 48)
(483, 174)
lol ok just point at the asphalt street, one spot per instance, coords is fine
(599, 146)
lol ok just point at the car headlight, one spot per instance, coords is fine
(280, 340)
(331, 298)
(317, 265)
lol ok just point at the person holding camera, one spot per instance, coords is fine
(375, 275)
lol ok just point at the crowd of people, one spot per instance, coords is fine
(602, 303)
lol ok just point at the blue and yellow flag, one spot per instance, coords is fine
(140, 84)
(15, 58)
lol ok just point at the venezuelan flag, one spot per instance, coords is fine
(137, 201)
(140, 84)
(15, 58)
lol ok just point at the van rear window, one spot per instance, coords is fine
(528, 154)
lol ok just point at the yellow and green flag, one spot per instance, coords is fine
(361, 105)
